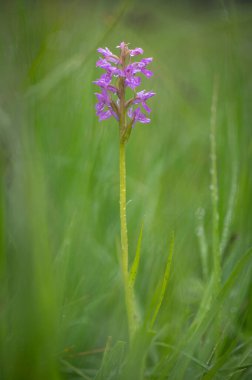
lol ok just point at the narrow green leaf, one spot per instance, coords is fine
(215, 191)
(225, 242)
(191, 357)
(135, 265)
(220, 362)
(74, 369)
(112, 361)
(165, 281)
(107, 350)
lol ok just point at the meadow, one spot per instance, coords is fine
(62, 306)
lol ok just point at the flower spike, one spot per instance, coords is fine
(120, 73)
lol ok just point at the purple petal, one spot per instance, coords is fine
(103, 63)
(133, 82)
(112, 89)
(146, 61)
(104, 115)
(139, 116)
(148, 109)
(103, 82)
(149, 94)
(147, 73)
(144, 95)
(99, 108)
(136, 51)
(141, 98)
(108, 55)
(130, 112)
(134, 68)
(113, 71)
(105, 52)
(103, 97)
(99, 97)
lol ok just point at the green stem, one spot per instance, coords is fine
(215, 224)
(214, 192)
(124, 243)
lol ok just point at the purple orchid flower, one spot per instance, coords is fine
(138, 115)
(141, 98)
(121, 73)
(108, 55)
(104, 108)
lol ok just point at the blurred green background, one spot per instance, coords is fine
(61, 294)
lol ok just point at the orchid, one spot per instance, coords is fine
(120, 73)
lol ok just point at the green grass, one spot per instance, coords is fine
(62, 312)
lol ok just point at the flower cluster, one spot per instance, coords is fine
(120, 73)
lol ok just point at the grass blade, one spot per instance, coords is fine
(112, 361)
(200, 214)
(165, 281)
(74, 370)
(214, 190)
(135, 265)
(220, 362)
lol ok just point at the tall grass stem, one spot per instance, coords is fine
(124, 244)
(214, 192)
